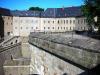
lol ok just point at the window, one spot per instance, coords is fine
(26, 27)
(11, 23)
(67, 21)
(53, 21)
(81, 28)
(64, 21)
(48, 21)
(8, 33)
(58, 21)
(8, 18)
(31, 27)
(48, 27)
(36, 27)
(20, 27)
(70, 28)
(52, 27)
(44, 22)
(15, 27)
(58, 27)
(7, 23)
(70, 21)
(84, 28)
(73, 21)
(64, 28)
(84, 21)
(78, 21)
(81, 21)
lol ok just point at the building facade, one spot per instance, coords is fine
(21, 23)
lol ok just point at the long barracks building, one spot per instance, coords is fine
(21, 23)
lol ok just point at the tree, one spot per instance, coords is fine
(36, 9)
(91, 9)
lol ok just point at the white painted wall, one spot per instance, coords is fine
(22, 26)
(81, 24)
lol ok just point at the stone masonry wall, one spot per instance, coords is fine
(45, 63)
(7, 53)
(82, 57)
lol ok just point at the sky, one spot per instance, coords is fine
(25, 4)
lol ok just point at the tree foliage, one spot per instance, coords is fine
(91, 9)
(36, 9)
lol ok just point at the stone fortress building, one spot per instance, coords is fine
(21, 23)
(46, 54)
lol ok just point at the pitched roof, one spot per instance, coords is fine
(4, 11)
(26, 13)
(62, 12)
(50, 12)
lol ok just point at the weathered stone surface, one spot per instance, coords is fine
(8, 52)
(82, 53)
(45, 63)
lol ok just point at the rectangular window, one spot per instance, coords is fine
(8, 18)
(44, 22)
(70, 28)
(78, 21)
(84, 21)
(73, 21)
(67, 21)
(64, 21)
(11, 23)
(31, 27)
(70, 21)
(81, 21)
(58, 21)
(20, 27)
(15, 27)
(48, 27)
(48, 21)
(36, 27)
(53, 21)
(64, 28)
(52, 27)
(26, 27)
(58, 27)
